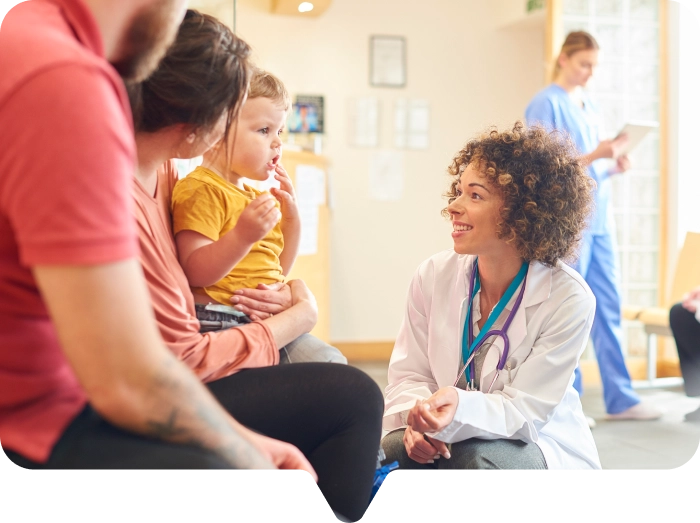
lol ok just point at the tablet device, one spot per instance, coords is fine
(636, 131)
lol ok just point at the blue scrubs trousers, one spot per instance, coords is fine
(599, 267)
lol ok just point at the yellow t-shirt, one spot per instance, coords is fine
(206, 203)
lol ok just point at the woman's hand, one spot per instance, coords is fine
(435, 413)
(611, 148)
(302, 295)
(622, 165)
(421, 448)
(263, 301)
(690, 300)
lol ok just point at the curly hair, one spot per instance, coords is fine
(547, 194)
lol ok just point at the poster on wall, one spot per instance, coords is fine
(411, 124)
(387, 61)
(306, 115)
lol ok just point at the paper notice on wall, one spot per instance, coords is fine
(313, 180)
(386, 175)
(364, 122)
(311, 192)
(411, 124)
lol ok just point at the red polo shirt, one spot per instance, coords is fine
(67, 158)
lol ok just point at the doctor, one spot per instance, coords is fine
(482, 372)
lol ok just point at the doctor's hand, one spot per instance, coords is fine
(435, 413)
(423, 449)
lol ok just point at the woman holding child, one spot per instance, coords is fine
(330, 412)
(482, 372)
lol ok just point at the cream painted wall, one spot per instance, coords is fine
(473, 74)
(686, 123)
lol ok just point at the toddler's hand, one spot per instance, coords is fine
(285, 194)
(257, 219)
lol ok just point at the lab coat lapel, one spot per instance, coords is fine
(445, 361)
(537, 289)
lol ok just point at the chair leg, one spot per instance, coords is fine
(651, 357)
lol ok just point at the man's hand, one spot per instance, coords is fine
(282, 455)
(263, 301)
(257, 219)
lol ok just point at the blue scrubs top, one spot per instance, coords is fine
(554, 108)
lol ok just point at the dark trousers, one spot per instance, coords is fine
(686, 331)
(331, 412)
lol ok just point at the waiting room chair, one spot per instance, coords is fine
(655, 319)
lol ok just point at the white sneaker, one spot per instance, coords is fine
(591, 422)
(640, 411)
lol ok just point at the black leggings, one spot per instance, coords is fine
(686, 332)
(331, 412)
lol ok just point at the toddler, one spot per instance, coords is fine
(231, 236)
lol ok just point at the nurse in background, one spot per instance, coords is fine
(565, 106)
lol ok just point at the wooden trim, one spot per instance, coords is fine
(637, 366)
(553, 37)
(365, 351)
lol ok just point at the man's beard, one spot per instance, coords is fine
(147, 38)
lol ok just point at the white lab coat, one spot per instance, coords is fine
(536, 400)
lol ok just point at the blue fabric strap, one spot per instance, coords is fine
(468, 345)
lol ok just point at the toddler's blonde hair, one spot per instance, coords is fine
(267, 85)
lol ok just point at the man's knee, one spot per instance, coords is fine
(680, 318)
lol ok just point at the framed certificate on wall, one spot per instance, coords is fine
(387, 59)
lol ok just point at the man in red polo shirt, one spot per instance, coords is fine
(84, 375)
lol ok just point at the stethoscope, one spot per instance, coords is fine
(502, 332)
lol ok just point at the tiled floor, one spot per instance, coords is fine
(663, 444)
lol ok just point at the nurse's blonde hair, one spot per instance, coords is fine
(575, 41)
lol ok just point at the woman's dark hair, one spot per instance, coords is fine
(547, 193)
(203, 74)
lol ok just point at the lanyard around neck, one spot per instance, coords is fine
(469, 345)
